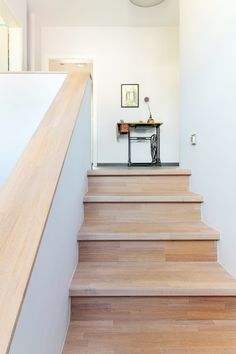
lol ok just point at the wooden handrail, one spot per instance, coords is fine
(26, 199)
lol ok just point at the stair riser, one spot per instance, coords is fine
(153, 308)
(148, 185)
(142, 212)
(147, 251)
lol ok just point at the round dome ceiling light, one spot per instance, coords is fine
(146, 3)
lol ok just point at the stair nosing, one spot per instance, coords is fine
(169, 287)
(150, 292)
(147, 236)
(191, 198)
(135, 172)
(172, 231)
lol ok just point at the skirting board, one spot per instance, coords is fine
(163, 164)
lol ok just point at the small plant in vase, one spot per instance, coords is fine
(150, 119)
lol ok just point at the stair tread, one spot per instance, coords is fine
(140, 172)
(186, 197)
(147, 231)
(144, 217)
(152, 279)
(149, 337)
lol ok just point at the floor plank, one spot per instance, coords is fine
(153, 308)
(143, 185)
(148, 251)
(151, 337)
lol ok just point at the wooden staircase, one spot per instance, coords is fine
(148, 280)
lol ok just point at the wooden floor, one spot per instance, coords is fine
(148, 280)
(151, 337)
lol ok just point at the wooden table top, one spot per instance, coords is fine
(141, 124)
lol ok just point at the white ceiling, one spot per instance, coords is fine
(6, 16)
(103, 13)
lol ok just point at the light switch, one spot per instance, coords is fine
(193, 139)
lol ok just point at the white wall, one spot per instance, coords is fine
(3, 48)
(16, 52)
(34, 42)
(45, 314)
(18, 9)
(148, 56)
(208, 108)
(24, 99)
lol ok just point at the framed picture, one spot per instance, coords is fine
(130, 95)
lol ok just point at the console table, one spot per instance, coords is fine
(126, 128)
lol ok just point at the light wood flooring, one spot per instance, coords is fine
(151, 337)
(148, 280)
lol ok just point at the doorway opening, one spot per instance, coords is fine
(11, 41)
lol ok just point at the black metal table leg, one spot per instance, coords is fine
(158, 146)
(129, 148)
(154, 142)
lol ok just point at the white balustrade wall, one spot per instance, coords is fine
(45, 314)
(24, 99)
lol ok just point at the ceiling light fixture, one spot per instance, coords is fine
(146, 3)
